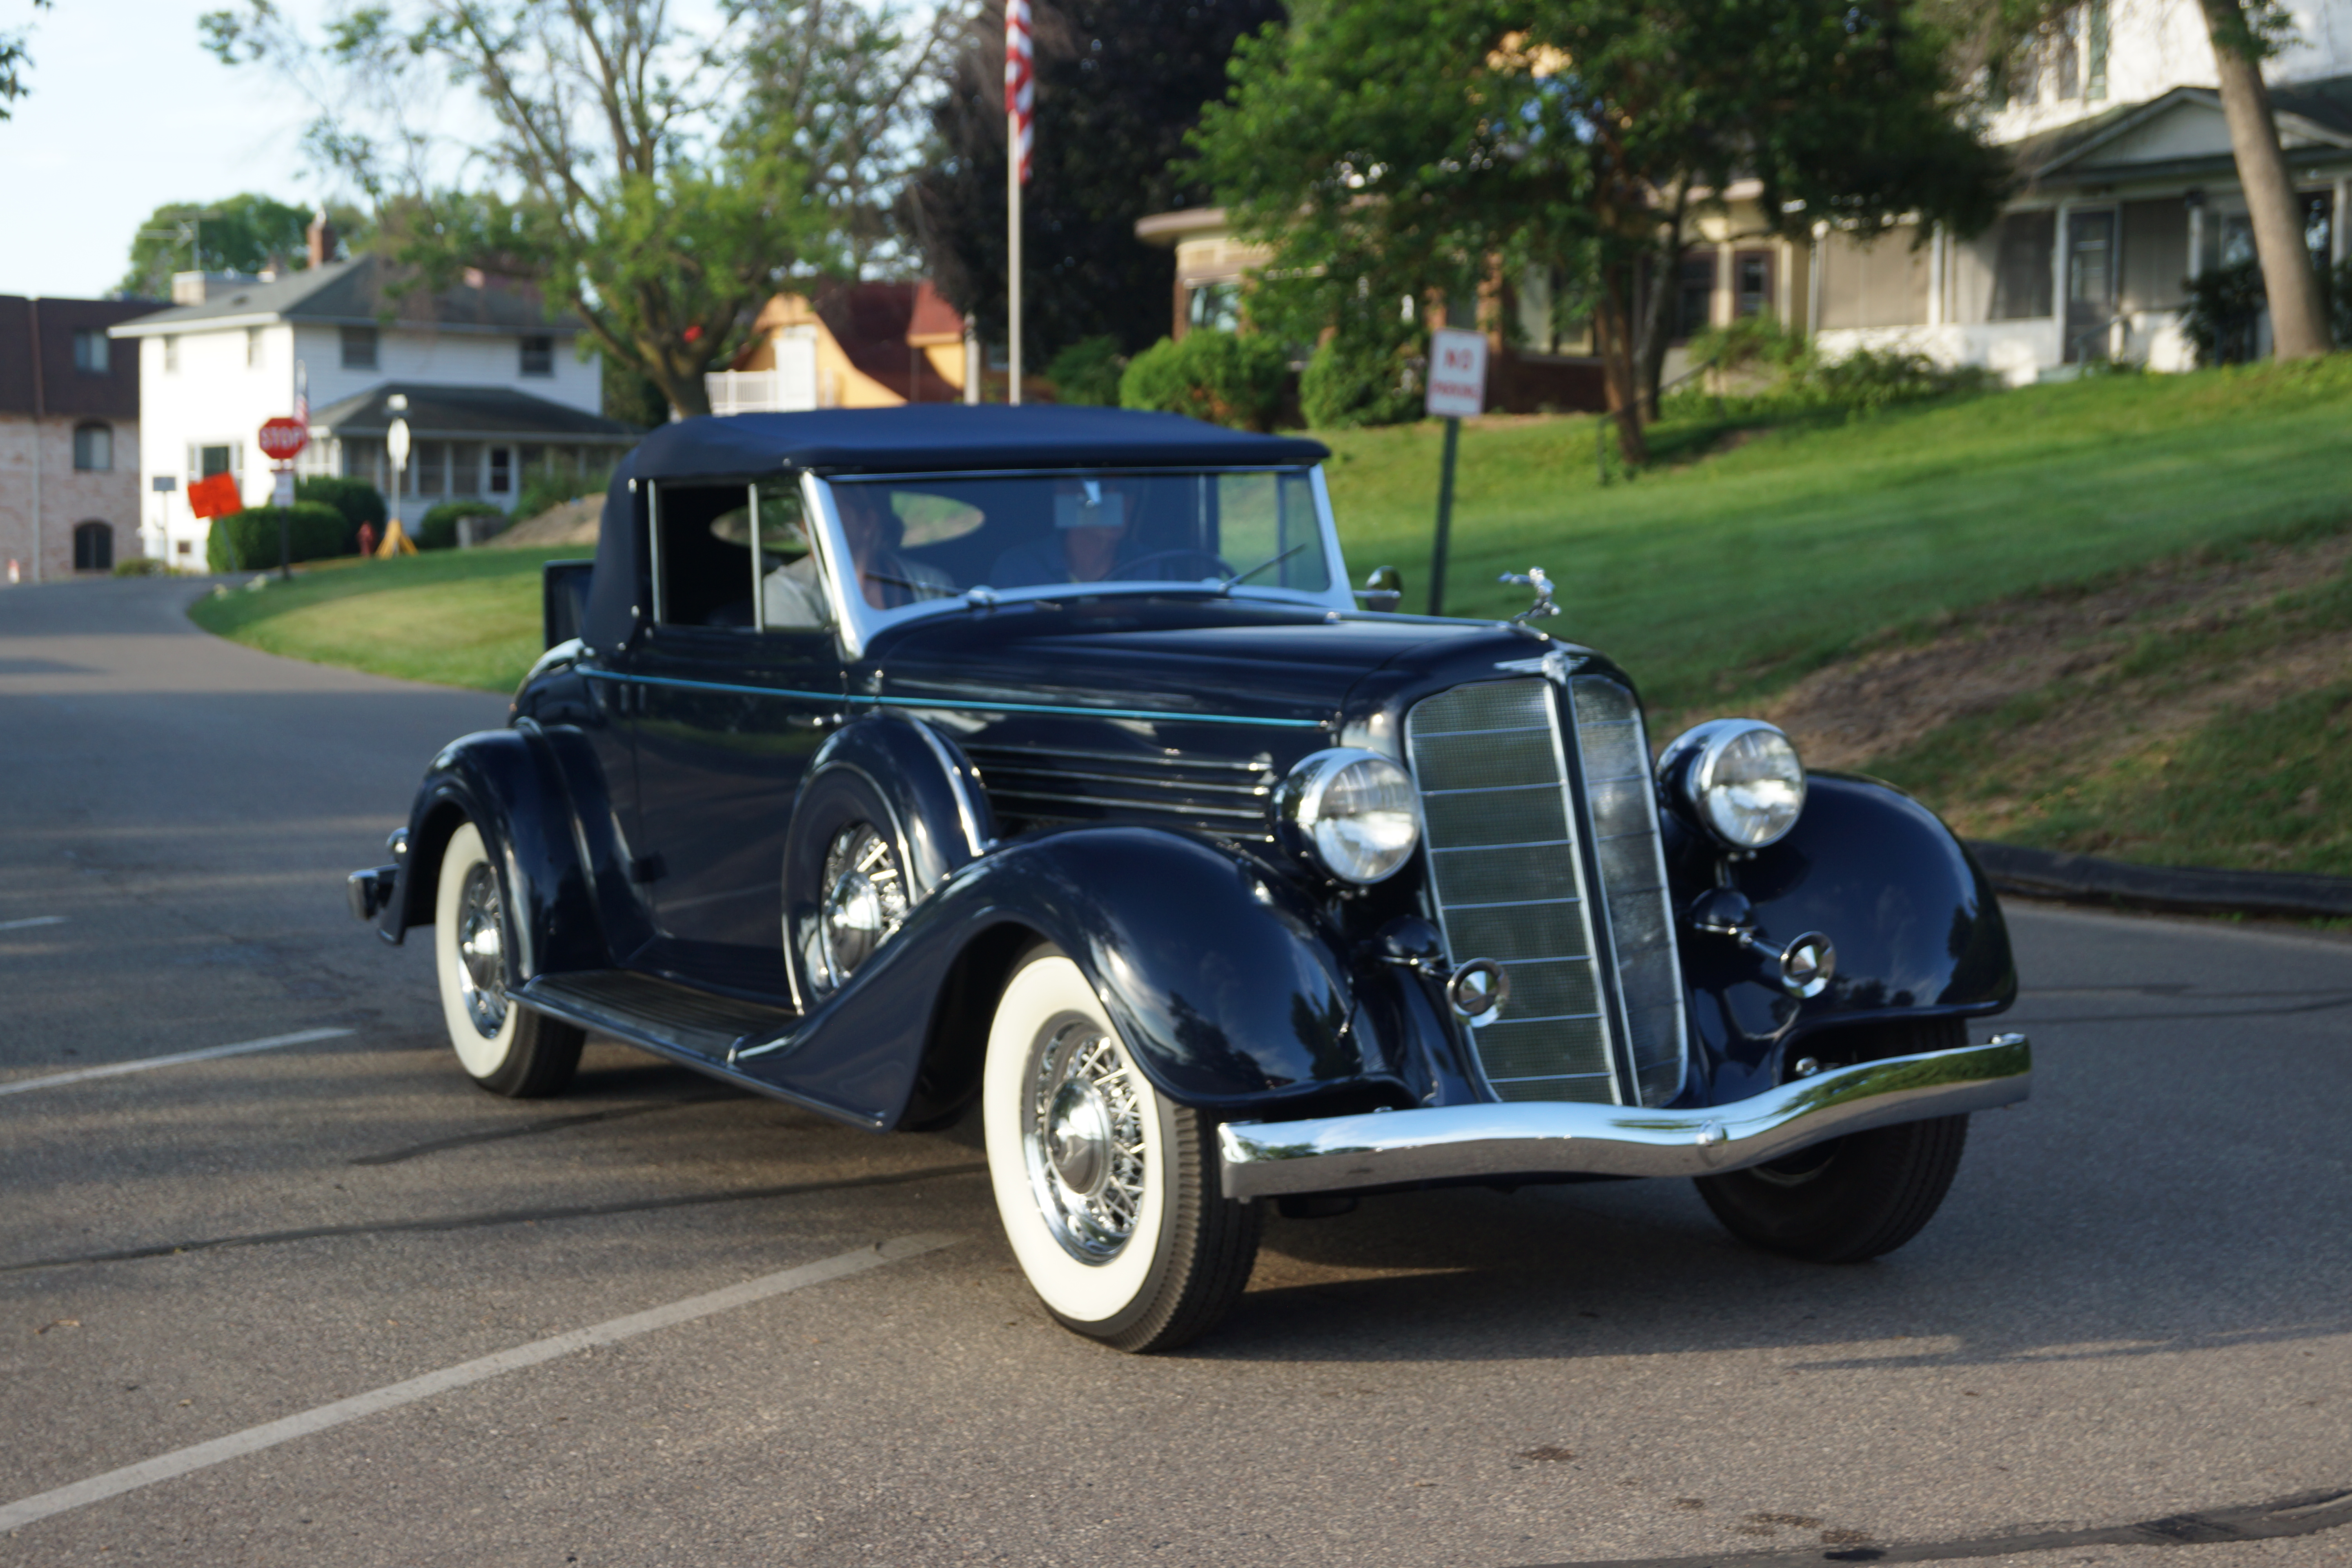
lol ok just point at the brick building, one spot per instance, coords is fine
(68, 437)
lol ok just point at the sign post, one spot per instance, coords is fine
(395, 446)
(281, 440)
(1457, 389)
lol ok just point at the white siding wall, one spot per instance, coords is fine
(214, 398)
(448, 359)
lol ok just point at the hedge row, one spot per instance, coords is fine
(247, 541)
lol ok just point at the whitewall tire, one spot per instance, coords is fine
(1107, 1190)
(506, 1049)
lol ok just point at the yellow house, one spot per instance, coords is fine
(866, 345)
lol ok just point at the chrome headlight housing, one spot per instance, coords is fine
(1349, 812)
(1739, 779)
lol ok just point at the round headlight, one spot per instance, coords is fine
(1351, 811)
(1737, 778)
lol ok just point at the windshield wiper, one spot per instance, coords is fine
(1226, 587)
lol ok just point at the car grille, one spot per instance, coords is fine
(1513, 860)
(1044, 786)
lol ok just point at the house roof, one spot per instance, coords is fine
(55, 386)
(366, 291)
(467, 413)
(2315, 121)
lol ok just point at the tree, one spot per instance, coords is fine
(657, 179)
(1432, 138)
(14, 62)
(1119, 83)
(2242, 37)
(241, 234)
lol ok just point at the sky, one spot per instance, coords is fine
(127, 112)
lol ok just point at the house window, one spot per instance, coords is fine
(359, 348)
(90, 351)
(94, 449)
(253, 348)
(93, 547)
(1751, 283)
(539, 356)
(1694, 292)
(465, 468)
(2022, 283)
(1215, 307)
(501, 470)
(170, 353)
(2319, 229)
(2237, 239)
(2094, 50)
(430, 465)
(203, 462)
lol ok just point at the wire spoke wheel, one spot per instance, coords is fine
(864, 902)
(1082, 1136)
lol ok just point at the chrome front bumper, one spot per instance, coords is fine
(1334, 1154)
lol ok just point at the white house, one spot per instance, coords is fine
(493, 387)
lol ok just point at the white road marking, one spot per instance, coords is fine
(36, 920)
(115, 1069)
(181, 1462)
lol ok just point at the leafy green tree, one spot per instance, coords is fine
(242, 234)
(660, 177)
(14, 63)
(1119, 83)
(1429, 137)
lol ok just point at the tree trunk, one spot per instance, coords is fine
(1613, 331)
(1657, 321)
(2298, 320)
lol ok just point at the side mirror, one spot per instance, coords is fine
(1383, 589)
(564, 598)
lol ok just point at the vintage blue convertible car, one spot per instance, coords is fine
(892, 762)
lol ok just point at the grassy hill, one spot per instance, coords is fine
(2110, 615)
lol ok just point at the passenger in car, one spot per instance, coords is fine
(873, 533)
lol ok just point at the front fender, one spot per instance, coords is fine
(1918, 929)
(1228, 986)
(507, 783)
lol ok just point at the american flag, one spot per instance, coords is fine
(1020, 82)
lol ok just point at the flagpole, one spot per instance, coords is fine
(1013, 248)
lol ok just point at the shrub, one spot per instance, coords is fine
(1218, 376)
(1350, 381)
(1087, 372)
(357, 499)
(545, 489)
(247, 541)
(2224, 303)
(438, 529)
(142, 566)
(1808, 381)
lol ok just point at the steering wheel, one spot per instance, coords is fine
(1125, 570)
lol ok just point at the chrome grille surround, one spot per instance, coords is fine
(1620, 800)
(1047, 786)
(1502, 831)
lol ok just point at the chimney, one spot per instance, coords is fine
(321, 235)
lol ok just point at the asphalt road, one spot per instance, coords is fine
(2137, 1303)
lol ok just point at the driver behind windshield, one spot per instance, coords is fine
(873, 533)
(1088, 544)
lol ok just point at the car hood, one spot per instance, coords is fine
(1218, 659)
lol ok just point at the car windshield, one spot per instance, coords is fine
(916, 538)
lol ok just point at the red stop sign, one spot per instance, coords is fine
(281, 438)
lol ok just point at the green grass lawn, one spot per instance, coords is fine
(1744, 558)
(457, 617)
(1716, 576)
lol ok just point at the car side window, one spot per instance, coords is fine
(735, 556)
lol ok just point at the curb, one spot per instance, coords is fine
(2185, 889)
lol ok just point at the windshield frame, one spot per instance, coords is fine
(859, 623)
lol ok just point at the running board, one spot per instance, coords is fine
(694, 1028)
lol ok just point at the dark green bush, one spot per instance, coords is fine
(1222, 377)
(2224, 303)
(142, 566)
(438, 529)
(357, 499)
(247, 541)
(1087, 372)
(1350, 381)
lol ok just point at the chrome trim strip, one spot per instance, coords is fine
(1534, 1138)
(1141, 780)
(1182, 807)
(1139, 759)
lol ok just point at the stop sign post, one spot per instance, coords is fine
(281, 439)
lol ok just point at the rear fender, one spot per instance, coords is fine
(1917, 930)
(507, 783)
(1226, 985)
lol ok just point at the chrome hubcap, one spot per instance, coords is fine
(865, 901)
(1081, 1131)
(481, 951)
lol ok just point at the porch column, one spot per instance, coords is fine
(1935, 272)
(2336, 222)
(1813, 285)
(2058, 300)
